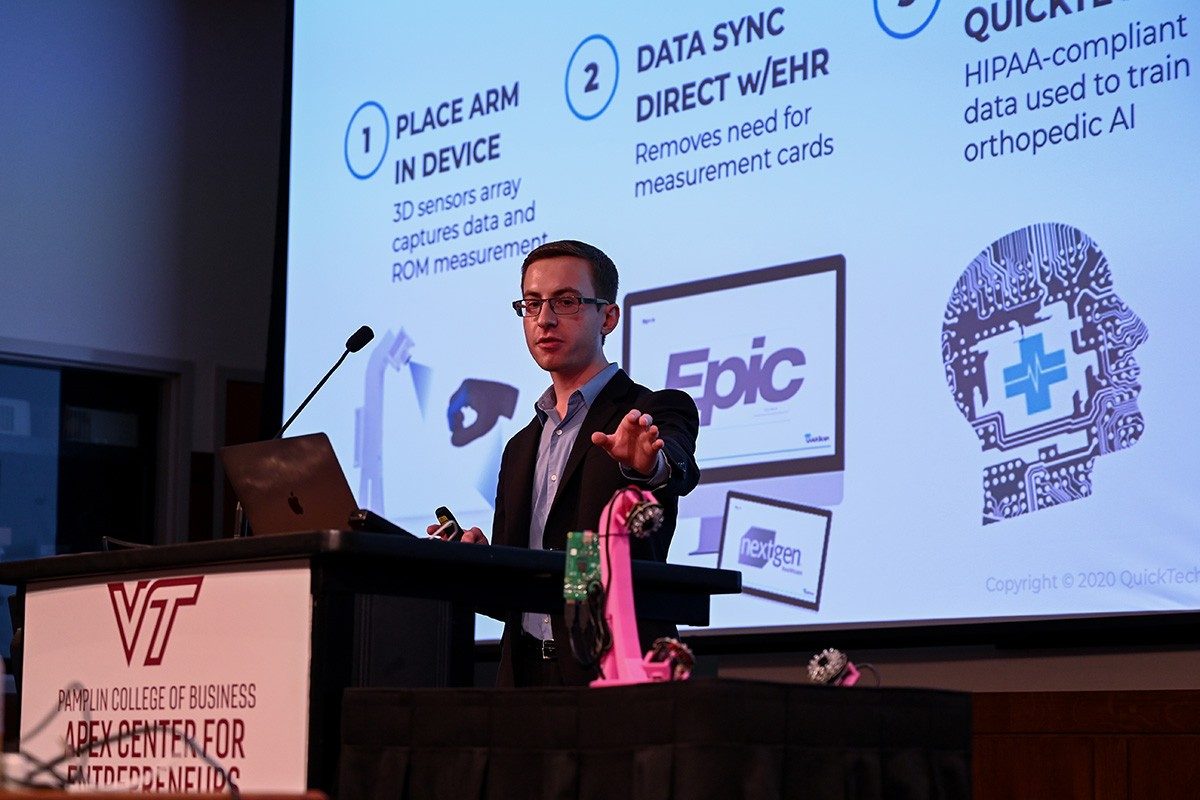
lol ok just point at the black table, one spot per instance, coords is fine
(701, 739)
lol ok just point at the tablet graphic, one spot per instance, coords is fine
(779, 548)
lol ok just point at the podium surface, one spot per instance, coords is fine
(245, 646)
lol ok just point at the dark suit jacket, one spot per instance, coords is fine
(587, 483)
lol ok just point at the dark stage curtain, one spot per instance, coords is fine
(701, 739)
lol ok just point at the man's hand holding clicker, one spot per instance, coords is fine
(469, 535)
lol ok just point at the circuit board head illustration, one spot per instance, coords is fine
(1038, 351)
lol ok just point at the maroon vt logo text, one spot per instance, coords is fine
(145, 620)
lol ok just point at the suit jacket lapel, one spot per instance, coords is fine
(524, 460)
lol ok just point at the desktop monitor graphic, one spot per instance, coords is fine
(762, 354)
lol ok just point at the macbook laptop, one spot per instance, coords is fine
(290, 485)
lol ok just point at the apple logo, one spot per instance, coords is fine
(294, 503)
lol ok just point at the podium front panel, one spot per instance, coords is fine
(220, 655)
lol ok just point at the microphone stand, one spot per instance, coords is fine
(316, 389)
(357, 341)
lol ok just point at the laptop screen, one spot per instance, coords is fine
(290, 485)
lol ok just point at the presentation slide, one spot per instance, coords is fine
(923, 265)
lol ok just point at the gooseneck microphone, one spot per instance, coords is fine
(357, 341)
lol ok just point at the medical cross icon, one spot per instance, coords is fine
(1034, 373)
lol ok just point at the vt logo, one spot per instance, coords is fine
(145, 617)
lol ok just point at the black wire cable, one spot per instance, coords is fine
(82, 749)
(579, 636)
(874, 673)
(586, 628)
(55, 711)
(52, 715)
(42, 767)
(591, 637)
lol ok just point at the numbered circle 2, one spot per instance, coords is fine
(902, 19)
(592, 76)
(366, 140)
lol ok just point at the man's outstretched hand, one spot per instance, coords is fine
(634, 444)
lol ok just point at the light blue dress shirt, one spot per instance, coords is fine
(554, 447)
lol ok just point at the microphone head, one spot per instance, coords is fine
(358, 340)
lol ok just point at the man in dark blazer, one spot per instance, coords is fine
(594, 432)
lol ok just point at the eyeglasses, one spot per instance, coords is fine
(562, 305)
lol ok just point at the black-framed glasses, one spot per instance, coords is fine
(561, 304)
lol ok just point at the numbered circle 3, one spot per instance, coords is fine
(592, 74)
(366, 140)
(902, 19)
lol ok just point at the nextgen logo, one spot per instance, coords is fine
(758, 548)
(749, 380)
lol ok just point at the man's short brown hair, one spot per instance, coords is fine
(604, 271)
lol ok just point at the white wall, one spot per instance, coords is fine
(138, 183)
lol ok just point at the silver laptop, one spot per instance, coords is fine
(290, 485)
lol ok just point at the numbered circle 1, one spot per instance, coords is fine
(366, 140)
(592, 75)
(903, 19)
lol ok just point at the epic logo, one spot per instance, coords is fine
(163, 597)
(750, 381)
